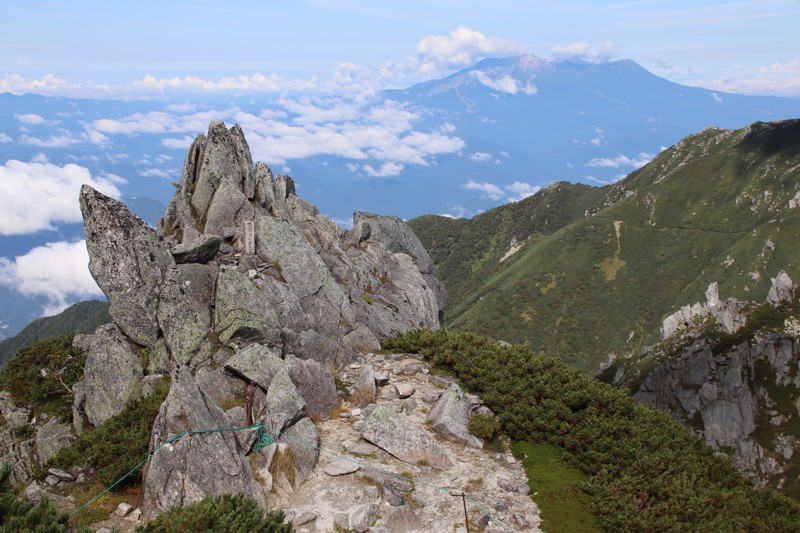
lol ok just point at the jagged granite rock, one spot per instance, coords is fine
(50, 438)
(285, 406)
(782, 288)
(241, 266)
(315, 384)
(256, 363)
(128, 261)
(195, 465)
(387, 430)
(401, 519)
(398, 238)
(364, 387)
(303, 441)
(19, 454)
(203, 250)
(727, 313)
(112, 375)
(450, 417)
(727, 397)
(15, 416)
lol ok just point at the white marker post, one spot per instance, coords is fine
(249, 237)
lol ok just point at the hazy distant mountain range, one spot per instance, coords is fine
(489, 134)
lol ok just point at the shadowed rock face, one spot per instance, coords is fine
(243, 284)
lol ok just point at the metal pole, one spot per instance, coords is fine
(464, 501)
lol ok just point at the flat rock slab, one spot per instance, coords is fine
(393, 433)
(341, 467)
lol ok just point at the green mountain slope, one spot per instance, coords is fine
(83, 317)
(720, 206)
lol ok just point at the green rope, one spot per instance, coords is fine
(260, 434)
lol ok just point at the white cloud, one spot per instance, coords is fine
(182, 143)
(621, 161)
(34, 196)
(514, 192)
(480, 156)
(779, 79)
(39, 158)
(462, 47)
(54, 141)
(30, 118)
(505, 84)
(489, 190)
(386, 170)
(717, 98)
(57, 271)
(4, 138)
(155, 173)
(257, 83)
(520, 190)
(581, 51)
(186, 107)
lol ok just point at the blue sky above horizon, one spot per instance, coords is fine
(148, 48)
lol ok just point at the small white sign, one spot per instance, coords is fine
(250, 237)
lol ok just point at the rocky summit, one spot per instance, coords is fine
(251, 303)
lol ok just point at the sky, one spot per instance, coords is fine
(146, 49)
(342, 50)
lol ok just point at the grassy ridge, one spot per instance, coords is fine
(647, 472)
(81, 317)
(714, 207)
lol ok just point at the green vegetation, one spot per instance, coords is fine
(19, 515)
(119, 444)
(220, 514)
(483, 426)
(557, 488)
(646, 472)
(82, 317)
(600, 267)
(42, 375)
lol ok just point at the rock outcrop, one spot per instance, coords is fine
(740, 395)
(727, 313)
(248, 298)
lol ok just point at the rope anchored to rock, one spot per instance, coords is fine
(260, 439)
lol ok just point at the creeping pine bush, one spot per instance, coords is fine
(119, 444)
(647, 472)
(41, 376)
(483, 426)
(220, 514)
(19, 515)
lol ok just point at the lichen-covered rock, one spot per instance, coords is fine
(242, 282)
(15, 416)
(203, 250)
(315, 384)
(387, 430)
(195, 465)
(450, 417)
(128, 261)
(285, 406)
(112, 375)
(256, 363)
(50, 438)
(782, 288)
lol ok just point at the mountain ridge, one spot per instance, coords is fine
(719, 205)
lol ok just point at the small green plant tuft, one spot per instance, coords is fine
(483, 426)
(220, 514)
